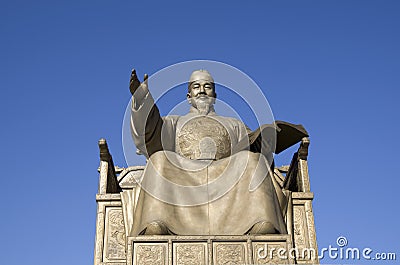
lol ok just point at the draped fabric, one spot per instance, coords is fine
(198, 197)
(214, 198)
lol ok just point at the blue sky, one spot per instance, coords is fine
(332, 66)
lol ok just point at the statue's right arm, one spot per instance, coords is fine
(146, 122)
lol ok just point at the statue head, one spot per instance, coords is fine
(201, 91)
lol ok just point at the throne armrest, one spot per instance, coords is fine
(297, 179)
(108, 179)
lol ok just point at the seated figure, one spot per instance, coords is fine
(206, 174)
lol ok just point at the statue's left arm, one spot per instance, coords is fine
(276, 137)
(146, 122)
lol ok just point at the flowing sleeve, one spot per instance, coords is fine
(146, 123)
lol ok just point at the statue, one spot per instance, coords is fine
(220, 158)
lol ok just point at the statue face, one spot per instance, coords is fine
(201, 88)
(202, 95)
(201, 83)
(201, 91)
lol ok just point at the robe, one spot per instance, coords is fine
(195, 181)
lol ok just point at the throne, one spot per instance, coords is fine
(114, 246)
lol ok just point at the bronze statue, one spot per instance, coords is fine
(206, 174)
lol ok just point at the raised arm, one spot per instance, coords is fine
(146, 122)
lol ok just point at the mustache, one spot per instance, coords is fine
(203, 95)
(204, 98)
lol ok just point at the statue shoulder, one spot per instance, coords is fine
(171, 118)
(233, 121)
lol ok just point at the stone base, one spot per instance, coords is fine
(212, 250)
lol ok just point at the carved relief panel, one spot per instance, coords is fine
(230, 253)
(150, 253)
(190, 254)
(114, 235)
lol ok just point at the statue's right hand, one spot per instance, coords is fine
(134, 83)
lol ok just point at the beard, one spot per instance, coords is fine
(203, 104)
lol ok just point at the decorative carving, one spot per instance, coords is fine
(150, 254)
(212, 250)
(203, 138)
(190, 254)
(300, 229)
(130, 179)
(115, 248)
(230, 253)
(303, 149)
(108, 178)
